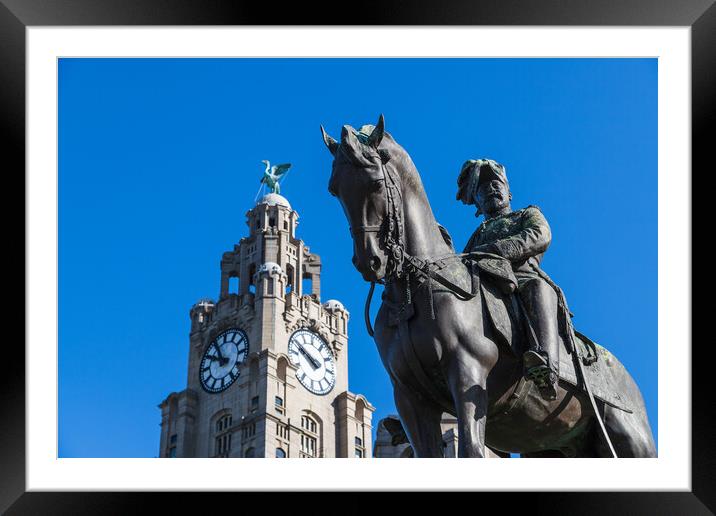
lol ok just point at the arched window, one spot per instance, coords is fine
(223, 423)
(360, 409)
(280, 397)
(291, 278)
(307, 284)
(280, 453)
(281, 366)
(233, 284)
(310, 435)
(308, 423)
(252, 273)
(360, 448)
(222, 436)
(308, 446)
(172, 446)
(254, 385)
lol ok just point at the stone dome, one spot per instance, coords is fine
(274, 199)
(270, 268)
(332, 305)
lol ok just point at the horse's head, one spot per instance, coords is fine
(366, 190)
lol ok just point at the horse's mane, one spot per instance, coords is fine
(446, 237)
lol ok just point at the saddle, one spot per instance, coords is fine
(497, 285)
(600, 367)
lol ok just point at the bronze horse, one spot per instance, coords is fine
(438, 345)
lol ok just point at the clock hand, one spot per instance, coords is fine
(308, 357)
(312, 360)
(222, 359)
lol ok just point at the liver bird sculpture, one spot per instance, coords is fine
(272, 175)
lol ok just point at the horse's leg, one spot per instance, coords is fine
(630, 435)
(467, 380)
(421, 421)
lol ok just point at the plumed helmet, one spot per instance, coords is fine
(473, 173)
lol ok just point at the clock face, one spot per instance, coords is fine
(316, 368)
(220, 365)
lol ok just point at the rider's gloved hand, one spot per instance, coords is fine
(485, 248)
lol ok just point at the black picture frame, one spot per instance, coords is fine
(17, 15)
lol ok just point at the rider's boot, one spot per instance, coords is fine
(541, 362)
(537, 368)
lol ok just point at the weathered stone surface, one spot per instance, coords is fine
(265, 408)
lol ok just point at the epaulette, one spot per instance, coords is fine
(521, 211)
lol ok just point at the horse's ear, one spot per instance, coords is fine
(377, 135)
(346, 133)
(331, 143)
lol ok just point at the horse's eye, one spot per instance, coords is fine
(376, 185)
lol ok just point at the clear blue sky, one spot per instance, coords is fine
(159, 159)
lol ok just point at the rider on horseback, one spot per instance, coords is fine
(521, 237)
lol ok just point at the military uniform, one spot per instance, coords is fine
(521, 237)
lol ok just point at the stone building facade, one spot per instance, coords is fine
(389, 430)
(391, 441)
(268, 362)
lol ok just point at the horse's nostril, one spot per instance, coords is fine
(375, 263)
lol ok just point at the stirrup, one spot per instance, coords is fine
(532, 359)
(541, 375)
(547, 391)
(538, 370)
(544, 379)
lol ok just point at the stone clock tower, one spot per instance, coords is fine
(268, 362)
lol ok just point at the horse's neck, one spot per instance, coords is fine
(423, 237)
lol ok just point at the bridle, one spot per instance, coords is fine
(391, 226)
(400, 264)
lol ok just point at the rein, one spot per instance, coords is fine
(400, 263)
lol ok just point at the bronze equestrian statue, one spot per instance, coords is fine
(452, 333)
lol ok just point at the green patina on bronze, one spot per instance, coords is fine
(273, 175)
